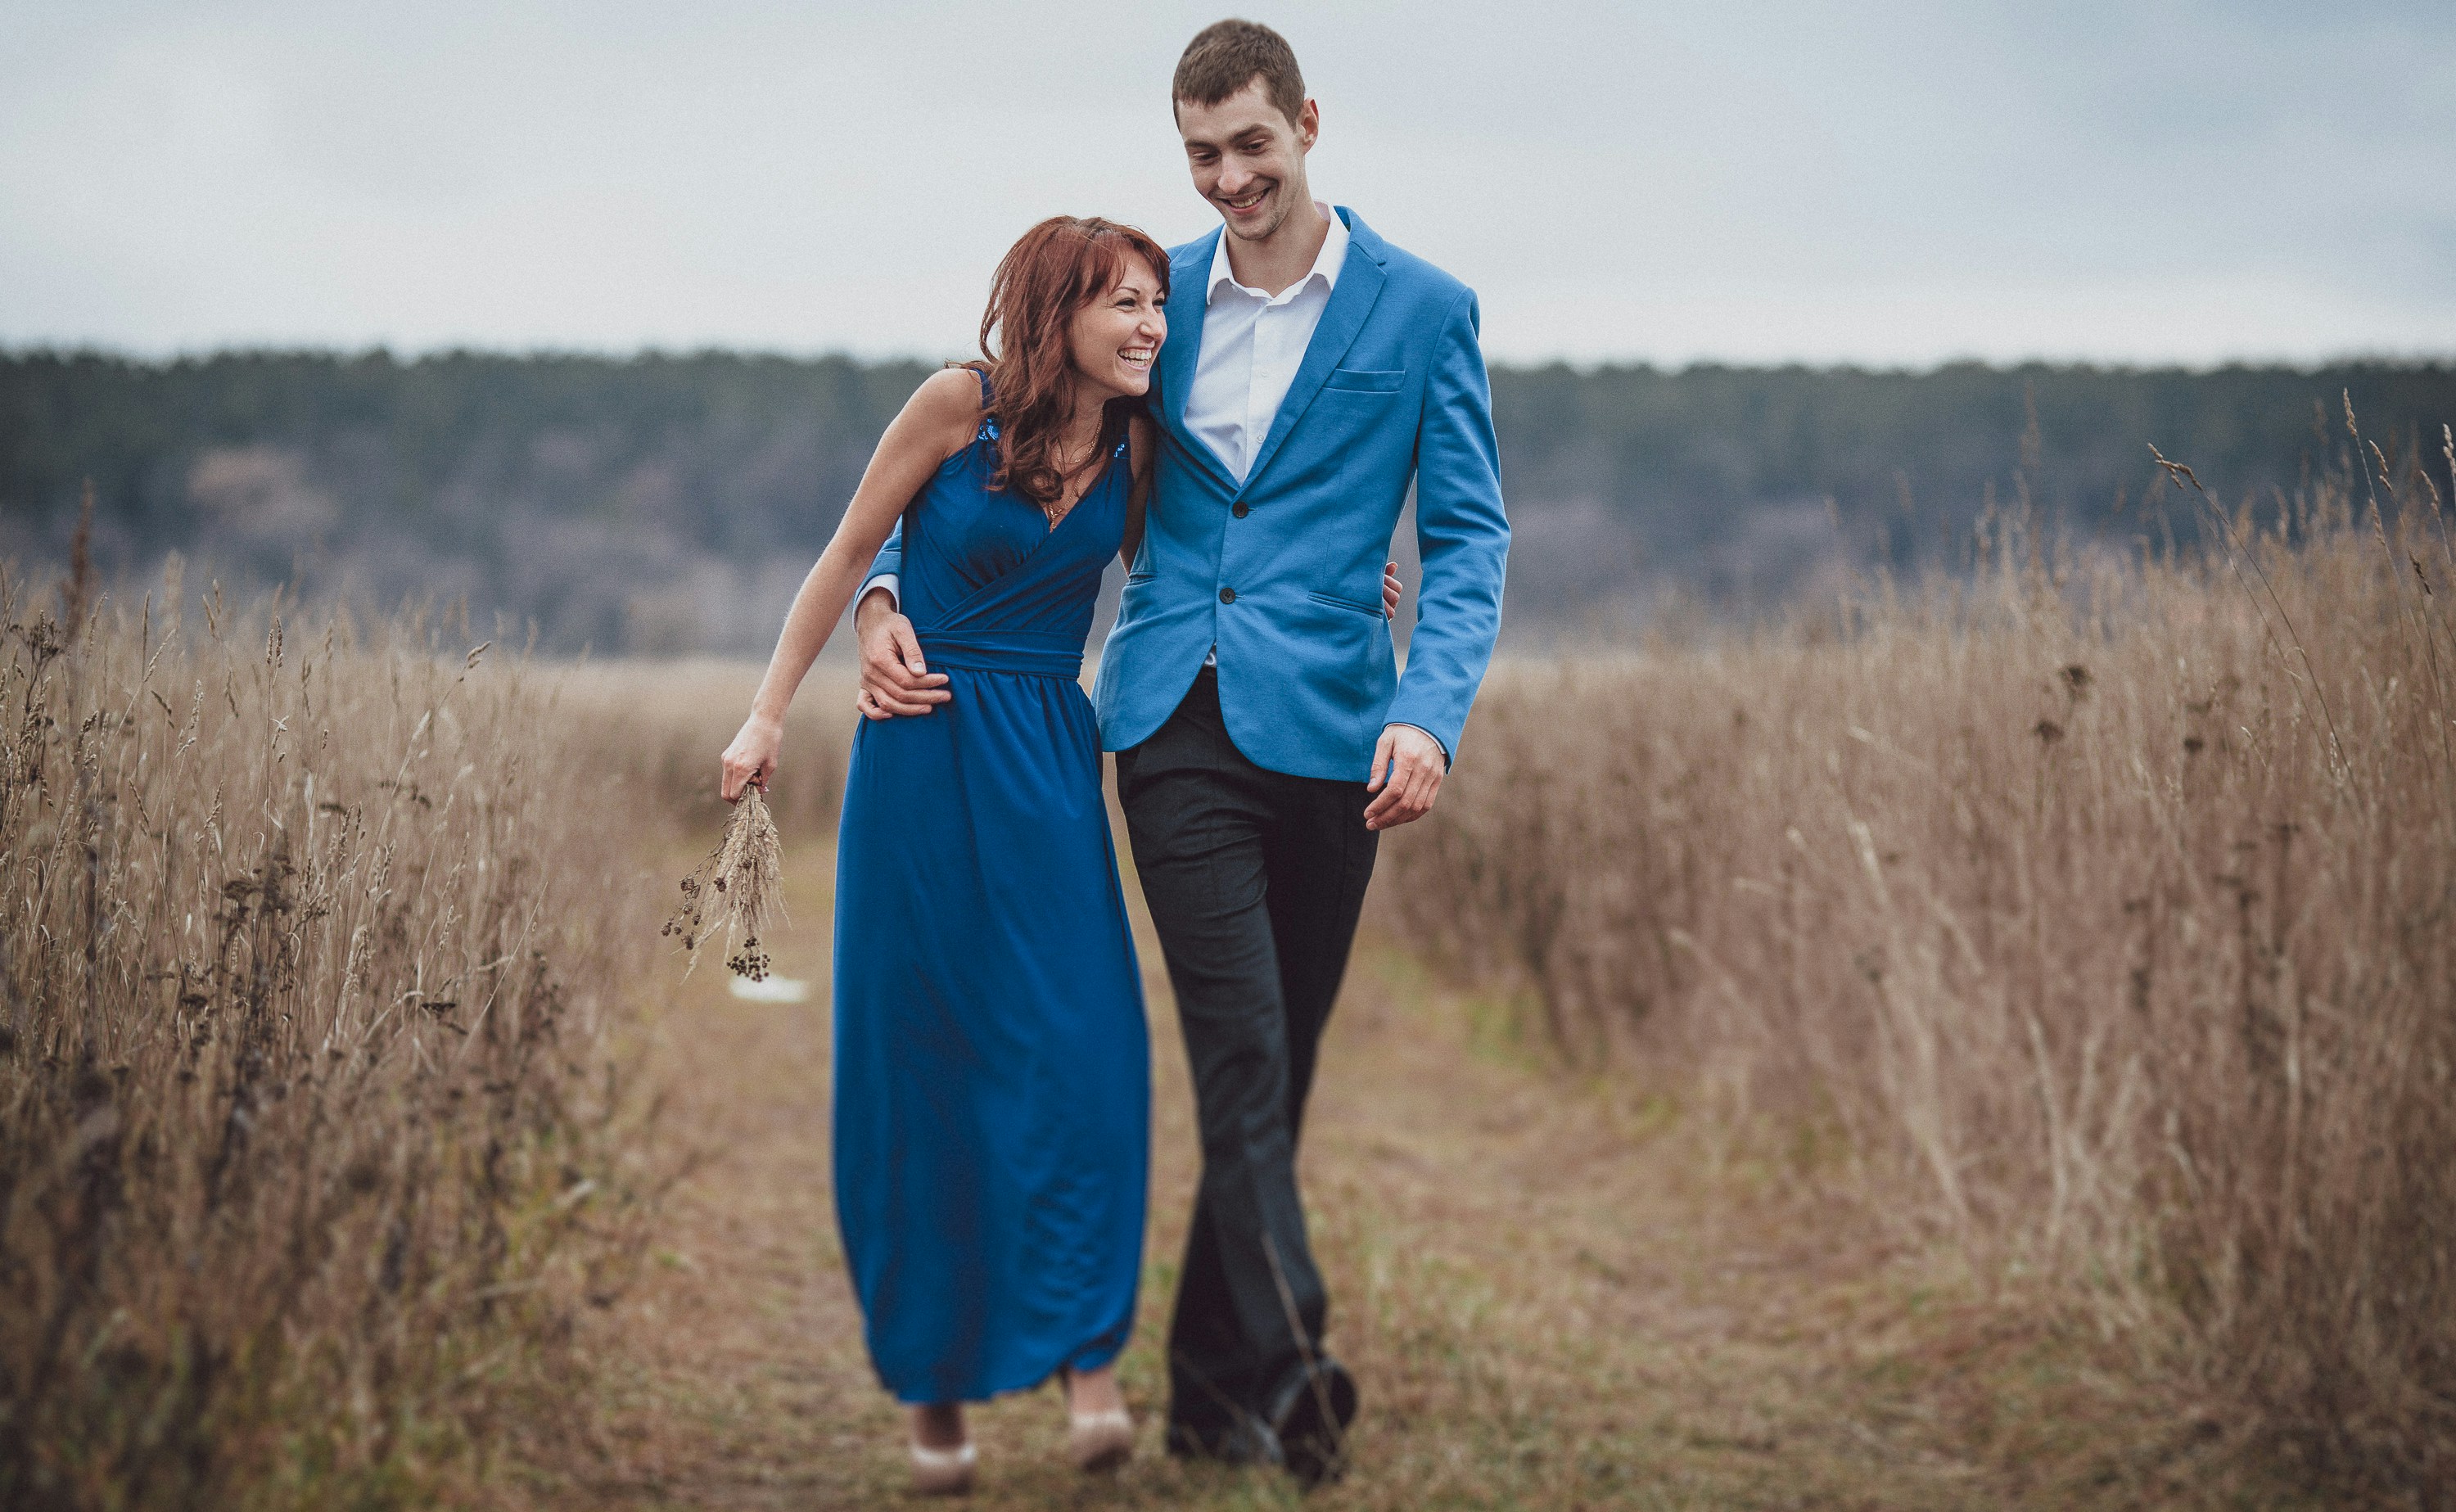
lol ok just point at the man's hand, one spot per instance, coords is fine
(894, 680)
(1407, 770)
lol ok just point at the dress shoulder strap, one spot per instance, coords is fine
(989, 426)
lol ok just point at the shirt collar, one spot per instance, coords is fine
(1325, 264)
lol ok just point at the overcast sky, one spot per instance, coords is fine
(1899, 184)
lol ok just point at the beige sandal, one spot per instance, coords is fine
(944, 1472)
(1099, 1443)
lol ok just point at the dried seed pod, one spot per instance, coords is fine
(745, 873)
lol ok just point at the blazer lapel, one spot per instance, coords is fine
(1189, 300)
(1359, 283)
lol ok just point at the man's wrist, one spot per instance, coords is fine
(1400, 724)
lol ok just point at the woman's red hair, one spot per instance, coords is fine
(1058, 268)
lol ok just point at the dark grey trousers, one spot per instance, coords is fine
(1255, 880)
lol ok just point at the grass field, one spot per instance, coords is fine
(1991, 1045)
(1557, 1294)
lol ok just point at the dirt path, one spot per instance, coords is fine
(1551, 1299)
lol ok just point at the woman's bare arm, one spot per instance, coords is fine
(1142, 455)
(936, 424)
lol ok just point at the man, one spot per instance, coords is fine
(1264, 737)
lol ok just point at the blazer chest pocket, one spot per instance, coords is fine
(1365, 379)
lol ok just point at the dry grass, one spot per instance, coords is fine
(735, 892)
(662, 725)
(1990, 1050)
(1559, 1293)
(2107, 910)
(314, 1127)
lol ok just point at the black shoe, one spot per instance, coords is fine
(1309, 1417)
(1245, 1442)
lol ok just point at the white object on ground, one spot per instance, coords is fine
(773, 989)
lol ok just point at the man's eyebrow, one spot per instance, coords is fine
(1240, 128)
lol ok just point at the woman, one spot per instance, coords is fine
(991, 1070)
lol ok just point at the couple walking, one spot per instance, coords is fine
(1241, 418)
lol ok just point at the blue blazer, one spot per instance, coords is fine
(1283, 573)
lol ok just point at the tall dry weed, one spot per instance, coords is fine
(2110, 905)
(314, 1131)
(661, 725)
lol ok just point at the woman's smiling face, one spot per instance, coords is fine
(1114, 340)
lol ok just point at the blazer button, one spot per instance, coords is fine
(1240, 509)
(1227, 595)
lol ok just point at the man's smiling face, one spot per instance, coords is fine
(1248, 159)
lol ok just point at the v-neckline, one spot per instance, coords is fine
(1098, 480)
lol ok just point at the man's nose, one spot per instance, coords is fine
(1233, 179)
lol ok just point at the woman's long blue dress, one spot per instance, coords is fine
(991, 1066)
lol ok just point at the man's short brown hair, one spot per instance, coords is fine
(1227, 55)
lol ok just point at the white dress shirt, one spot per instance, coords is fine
(1253, 342)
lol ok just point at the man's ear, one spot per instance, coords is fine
(1308, 126)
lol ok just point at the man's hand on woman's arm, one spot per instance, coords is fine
(894, 679)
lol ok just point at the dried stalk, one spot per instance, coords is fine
(739, 891)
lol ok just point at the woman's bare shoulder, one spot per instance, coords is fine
(1142, 442)
(950, 397)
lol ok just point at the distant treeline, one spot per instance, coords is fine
(671, 503)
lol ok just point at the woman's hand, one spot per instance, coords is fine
(1391, 590)
(751, 761)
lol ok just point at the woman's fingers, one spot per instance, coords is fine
(741, 774)
(749, 761)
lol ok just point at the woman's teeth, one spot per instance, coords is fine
(1135, 356)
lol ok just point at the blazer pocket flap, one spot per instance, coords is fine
(1351, 606)
(1365, 379)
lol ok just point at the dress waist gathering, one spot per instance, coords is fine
(1029, 653)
